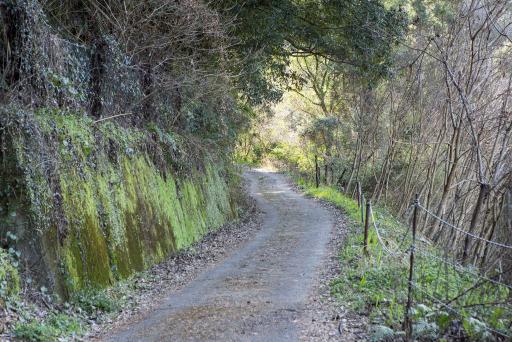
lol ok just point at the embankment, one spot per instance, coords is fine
(90, 202)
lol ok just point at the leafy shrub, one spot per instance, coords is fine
(92, 301)
(377, 284)
(57, 325)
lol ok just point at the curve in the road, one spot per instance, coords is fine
(257, 293)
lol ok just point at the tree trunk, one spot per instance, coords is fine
(326, 178)
(468, 241)
(147, 90)
(97, 73)
(317, 172)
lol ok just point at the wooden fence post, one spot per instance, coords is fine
(317, 172)
(366, 225)
(358, 191)
(363, 200)
(332, 173)
(408, 319)
(326, 167)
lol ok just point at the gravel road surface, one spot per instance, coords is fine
(258, 292)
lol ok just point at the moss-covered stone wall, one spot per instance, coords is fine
(92, 202)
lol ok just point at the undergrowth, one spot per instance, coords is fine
(73, 319)
(52, 328)
(450, 303)
(44, 316)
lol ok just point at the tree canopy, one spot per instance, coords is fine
(357, 33)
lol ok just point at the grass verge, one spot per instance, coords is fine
(450, 301)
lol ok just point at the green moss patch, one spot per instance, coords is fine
(102, 201)
(9, 277)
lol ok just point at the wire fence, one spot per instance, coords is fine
(473, 283)
(474, 236)
(456, 312)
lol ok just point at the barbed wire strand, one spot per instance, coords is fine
(445, 261)
(463, 231)
(381, 242)
(462, 268)
(407, 216)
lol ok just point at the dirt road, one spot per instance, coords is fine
(259, 291)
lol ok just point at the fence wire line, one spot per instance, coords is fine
(463, 231)
(462, 268)
(433, 298)
(381, 242)
(412, 247)
(407, 215)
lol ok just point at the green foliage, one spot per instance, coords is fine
(57, 325)
(72, 319)
(92, 301)
(377, 284)
(321, 131)
(9, 277)
(111, 200)
(356, 33)
(292, 157)
(331, 195)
